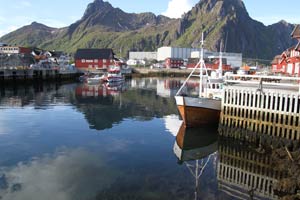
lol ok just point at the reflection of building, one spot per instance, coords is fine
(167, 87)
(87, 90)
(244, 173)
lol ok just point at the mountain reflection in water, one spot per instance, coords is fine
(77, 141)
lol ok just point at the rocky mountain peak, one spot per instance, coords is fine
(98, 6)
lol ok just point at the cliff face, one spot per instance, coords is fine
(228, 21)
(102, 26)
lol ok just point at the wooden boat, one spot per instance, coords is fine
(205, 108)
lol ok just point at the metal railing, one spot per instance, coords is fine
(280, 81)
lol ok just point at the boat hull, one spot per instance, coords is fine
(197, 112)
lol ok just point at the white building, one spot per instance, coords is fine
(142, 55)
(233, 59)
(174, 52)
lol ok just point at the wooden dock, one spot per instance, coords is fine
(7, 75)
(262, 104)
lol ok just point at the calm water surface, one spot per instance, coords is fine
(86, 142)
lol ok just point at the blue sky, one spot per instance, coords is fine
(59, 13)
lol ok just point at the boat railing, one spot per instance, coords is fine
(272, 81)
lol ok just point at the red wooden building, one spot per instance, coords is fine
(174, 62)
(94, 59)
(210, 64)
(289, 61)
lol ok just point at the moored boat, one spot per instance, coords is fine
(95, 79)
(113, 75)
(205, 108)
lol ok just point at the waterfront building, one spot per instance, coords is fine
(174, 52)
(142, 55)
(289, 61)
(232, 59)
(94, 59)
(4, 49)
(173, 62)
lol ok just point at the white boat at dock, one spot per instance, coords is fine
(113, 75)
(95, 79)
(205, 108)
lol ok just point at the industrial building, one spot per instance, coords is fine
(142, 55)
(174, 52)
(165, 53)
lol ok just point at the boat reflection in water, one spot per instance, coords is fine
(196, 147)
(105, 89)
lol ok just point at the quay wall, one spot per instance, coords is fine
(146, 72)
(9, 75)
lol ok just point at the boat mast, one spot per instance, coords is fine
(201, 67)
(220, 71)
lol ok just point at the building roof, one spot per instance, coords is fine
(296, 32)
(94, 54)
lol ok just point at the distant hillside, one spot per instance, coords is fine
(104, 26)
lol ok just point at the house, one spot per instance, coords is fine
(94, 59)
(289, 61)
(173, 62)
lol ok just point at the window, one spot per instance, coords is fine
(82, 60)
(90, 66)
(104, 60)
(96, 60)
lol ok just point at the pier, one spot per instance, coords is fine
(267, 105)
(8, 75)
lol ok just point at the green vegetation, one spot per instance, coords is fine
(107, 27)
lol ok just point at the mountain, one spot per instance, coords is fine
(104, 26)
(228, 21)
(30, 35)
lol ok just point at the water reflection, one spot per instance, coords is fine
(67, 175)
(77, 141)
(196, 148)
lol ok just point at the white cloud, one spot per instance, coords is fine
(172, 124)
(177, 7)
(25, 3)
(58, 177)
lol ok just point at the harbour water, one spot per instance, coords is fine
(90, 142)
